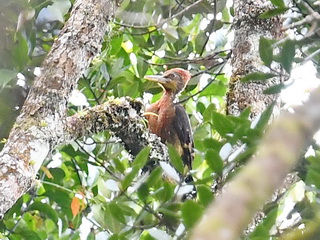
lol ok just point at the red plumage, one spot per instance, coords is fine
(168, 119)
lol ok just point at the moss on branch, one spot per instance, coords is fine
(123, 118)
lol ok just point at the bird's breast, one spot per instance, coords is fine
(160, 120)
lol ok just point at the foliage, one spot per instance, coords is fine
(93, 188)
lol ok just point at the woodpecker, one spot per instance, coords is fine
(168, 119)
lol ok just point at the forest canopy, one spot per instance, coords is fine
(93, 184)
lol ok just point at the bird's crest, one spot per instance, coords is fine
(185, 75)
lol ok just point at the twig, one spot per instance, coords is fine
(200, 60)
(96, 159)
(313, 18)
(205, 87)
(57, 186)
(311, 55)
(86, 80)
(162, 22)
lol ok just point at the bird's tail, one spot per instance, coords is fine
(193, 193)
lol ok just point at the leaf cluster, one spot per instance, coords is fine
(92, 188)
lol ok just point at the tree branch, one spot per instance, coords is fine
(43, 123)
(163, 21)
(278, 153)
(123, 117)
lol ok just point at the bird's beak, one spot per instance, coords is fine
(156, 78)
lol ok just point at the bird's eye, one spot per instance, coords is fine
(171, 76)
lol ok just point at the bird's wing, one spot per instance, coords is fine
(181, 124)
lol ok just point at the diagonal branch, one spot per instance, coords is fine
(43, 124)
(277, 155)
(123, 117)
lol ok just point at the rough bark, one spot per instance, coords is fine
(123, 117)
(40, 126)
(245, 58)
(249, 28)
(277, 154)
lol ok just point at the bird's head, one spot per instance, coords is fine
(174, 80)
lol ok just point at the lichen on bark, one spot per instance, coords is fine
(123, 118)
(245, 57)
(28, 144)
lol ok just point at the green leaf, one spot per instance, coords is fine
(127, 181)
(205, 195)
(275, 89)
(116, 236)
(287, 55)
(215, 89)
(131, 89)
(221, 4)
(313, 173)
(262, 231)
(30, 219)
(115, 45)
(214, 161)
(97, 212)
(201, 107)
(49, 225)
(146, 236)
(138, 163)
(91, 236)
(278, 3)
(273, 12)
(200, 41)
(119, 165)
(265, 117)
(58, 176)
(226, 14)
(158, 41)
(266, 51)
(170, 213)
(105, 219)
(20, 52)
(25, 230)
(171, 33)
(155, 176)
(104, 71)
(142, 67)
(45, 209)
(217, 25)
(202, 130)
(222, 124)
(175, 158)
(257, 76)
(182, 40)
(207, 114)
(191, 213)
(212, 143)
(117, 212)
(6, 76)
(117, 67)
(62, 198)
(142, 158)
(166, 193)
(143, 192)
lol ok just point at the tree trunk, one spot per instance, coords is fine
(40, 126)
(228, 217)
(245, 58)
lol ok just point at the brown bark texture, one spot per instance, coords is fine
(122, 117)
(41, 124)
(278, 153)
(245, 58)
(249, 28)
